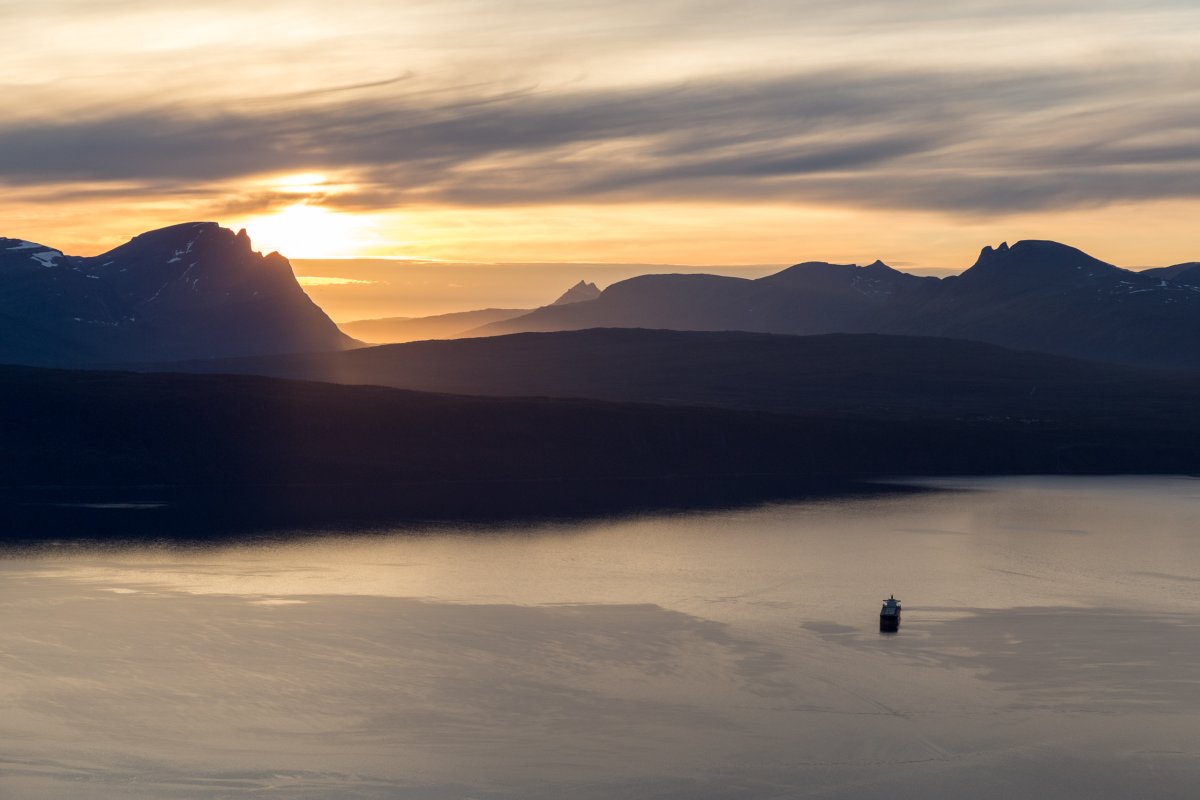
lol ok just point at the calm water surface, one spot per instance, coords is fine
(1050, 646)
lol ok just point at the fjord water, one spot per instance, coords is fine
(1050, 645)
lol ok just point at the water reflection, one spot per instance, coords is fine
(709, 655)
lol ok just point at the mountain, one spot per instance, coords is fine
(195, 290)
(841, 297)
(808, 298)
(439, 326)
(845, 375)
(578, 293)
(1035, 295)
(1183, 274)
(1046, 296)
(390, 330)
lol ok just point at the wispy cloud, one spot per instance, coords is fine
(590, 124)
(969, 141)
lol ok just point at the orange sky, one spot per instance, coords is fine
(679, 132)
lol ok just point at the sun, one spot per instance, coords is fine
(299, 183)
(309, 231)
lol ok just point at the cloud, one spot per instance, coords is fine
(962, 141)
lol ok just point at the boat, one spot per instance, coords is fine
(889, 615)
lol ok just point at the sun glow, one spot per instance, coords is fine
(301, 182)
(310, 231)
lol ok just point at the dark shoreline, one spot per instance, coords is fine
(174, 514)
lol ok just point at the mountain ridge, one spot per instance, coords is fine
(197, 290)
(190, 290)
(1034, 295)
(454, 325)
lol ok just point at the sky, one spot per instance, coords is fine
(633, 131)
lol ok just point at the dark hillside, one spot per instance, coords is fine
(299, 453)
(884, 377)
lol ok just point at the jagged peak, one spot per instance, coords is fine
(1036, 251)
(1036, 261)
(192, 290)
(579, 293)
(176, 242)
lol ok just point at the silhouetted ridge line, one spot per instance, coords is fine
(454, 325)
(186, 291)
(1033, 295)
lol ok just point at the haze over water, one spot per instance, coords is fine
(1049, 645)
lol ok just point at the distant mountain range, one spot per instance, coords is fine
(199, 291)
(391, 330)
(188, 291)
(1035, 295)
(454, 325)
(581, 419)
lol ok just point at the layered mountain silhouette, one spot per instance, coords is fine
(455, 325)
(195, 290)
(199, 291)
(1035, 295)
(386, 330)
(732, 402)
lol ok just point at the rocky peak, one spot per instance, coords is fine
(201, 258)
(1034, 262)
(579, 293)
(185, 291)
(177, 243)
